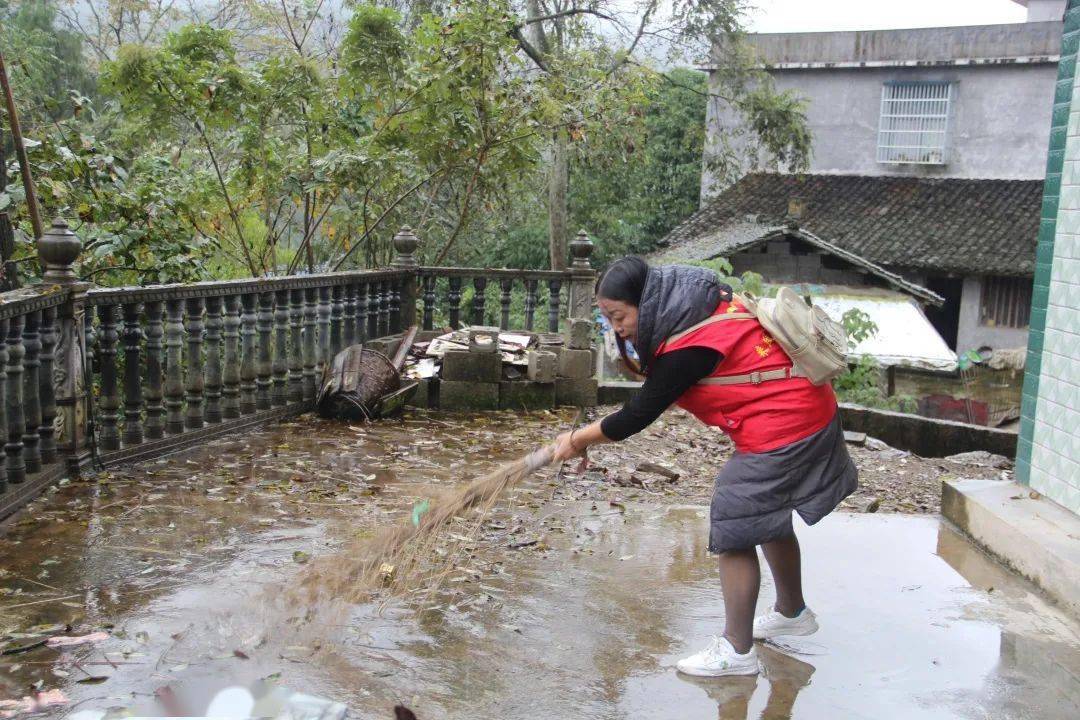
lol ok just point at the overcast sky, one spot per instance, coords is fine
(820, 15)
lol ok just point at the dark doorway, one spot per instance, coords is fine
(946, 319)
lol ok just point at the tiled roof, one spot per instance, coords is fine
(982, 227)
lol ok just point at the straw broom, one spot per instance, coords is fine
(396, 557)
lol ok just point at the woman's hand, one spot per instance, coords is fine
(566, 448)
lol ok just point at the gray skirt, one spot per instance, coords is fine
(756, 492)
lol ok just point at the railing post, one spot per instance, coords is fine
(296, 339)
(337, 313)
(31, 391)
(196, 382)
(264, 365)
(530, 303)
(155, 336)
(506, 289)
(310, 343)
(133, 399)
(323, 312)
(16, 464)
(429, 301)
(58, 249)
(582, 277)
(405, 243)
(348, 335)
(280, 394)
(109, 401)
(479, 299)
(174, 369)
(47, 430)
(230, 393)
(214, 323)
(248, 365)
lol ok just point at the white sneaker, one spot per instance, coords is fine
(773, 624)
(720, 659)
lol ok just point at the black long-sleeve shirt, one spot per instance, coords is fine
(671, 375)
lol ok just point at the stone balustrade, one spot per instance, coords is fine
(96, 376)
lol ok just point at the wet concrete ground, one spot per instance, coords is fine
(184, 562)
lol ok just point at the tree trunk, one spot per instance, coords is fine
(558, 182)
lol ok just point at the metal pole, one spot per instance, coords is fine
(20, 152)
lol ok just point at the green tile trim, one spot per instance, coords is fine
(1063, 103)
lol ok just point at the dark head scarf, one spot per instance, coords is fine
(669, 299)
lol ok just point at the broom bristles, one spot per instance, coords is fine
(393, 557)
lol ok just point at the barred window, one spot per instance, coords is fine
(1006, 302)
(914, 123)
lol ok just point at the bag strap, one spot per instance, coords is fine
(754, 378)
(709, 321)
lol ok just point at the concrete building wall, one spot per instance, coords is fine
(972, 334)
(1048, 450)
(1042, 10)
(999, 121)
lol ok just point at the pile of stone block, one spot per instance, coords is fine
(560, 371)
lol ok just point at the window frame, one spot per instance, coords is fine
(892, 120)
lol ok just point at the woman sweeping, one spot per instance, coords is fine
(789, 446)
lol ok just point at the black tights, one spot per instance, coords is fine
(740, 580)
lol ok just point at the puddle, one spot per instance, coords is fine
(182, 563)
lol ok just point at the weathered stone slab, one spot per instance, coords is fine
(483, 339)
(580, 392)
(526, 395)
(462, 365)
(576, 364)
(578, 333)
(467, 395)
(427, 393)
(543, 366)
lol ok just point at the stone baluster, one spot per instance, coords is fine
(280, 394)
(310, 343)
(3, 406)
(530, 303)
(195, 380)
(174, 368)
(404, 300)
(361, 313)
(16, 422)
(582, 277)
(248, 362)
(554, 287)
(47, 429)
(373, 310)
(296, 344)
(349, 329)
(155, 334)
(479, 300)
(89, 330)
(337, 316)
(384, 308)
(133, 398)
(394, 290)
(109, 402)
(213, 380)
(230, 403)
(58, 249)
(264, 365)
(453, 298)
(31, 391)
(322, 313)
(506, 288)
(429, 301)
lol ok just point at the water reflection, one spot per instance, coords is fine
(784, 676)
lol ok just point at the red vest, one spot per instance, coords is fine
(758, 417)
